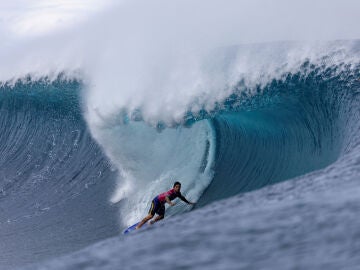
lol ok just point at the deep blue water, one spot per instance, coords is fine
(56, 181)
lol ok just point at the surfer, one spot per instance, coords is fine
(158, 204)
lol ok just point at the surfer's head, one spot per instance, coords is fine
(177, 186)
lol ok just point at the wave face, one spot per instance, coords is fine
(54, 179)
(67, 182)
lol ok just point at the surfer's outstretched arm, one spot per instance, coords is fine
(181, 197)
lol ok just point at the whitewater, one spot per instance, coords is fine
(252, 108)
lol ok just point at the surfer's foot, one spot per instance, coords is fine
(152, 222)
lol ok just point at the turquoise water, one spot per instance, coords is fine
(58, 180)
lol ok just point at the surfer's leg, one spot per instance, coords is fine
(161, 213)
(146, 219)
(152, 210)
(156, 219)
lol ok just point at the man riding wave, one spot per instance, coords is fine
(158, 204)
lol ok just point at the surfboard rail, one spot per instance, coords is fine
(131, 228)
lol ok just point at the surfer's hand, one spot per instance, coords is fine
(192, 203)
(172, 204)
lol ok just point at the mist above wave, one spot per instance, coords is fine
(163, 57)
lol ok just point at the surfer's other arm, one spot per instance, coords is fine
(169, 202)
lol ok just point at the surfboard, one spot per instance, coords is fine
(131, 228)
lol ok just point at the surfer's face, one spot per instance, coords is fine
(177, 188)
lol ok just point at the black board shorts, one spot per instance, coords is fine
(157, 207)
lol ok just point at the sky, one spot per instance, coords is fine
(287, 19)
(34, 17)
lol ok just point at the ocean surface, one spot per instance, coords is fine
(265, 138)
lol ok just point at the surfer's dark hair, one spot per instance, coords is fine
(177, 183)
